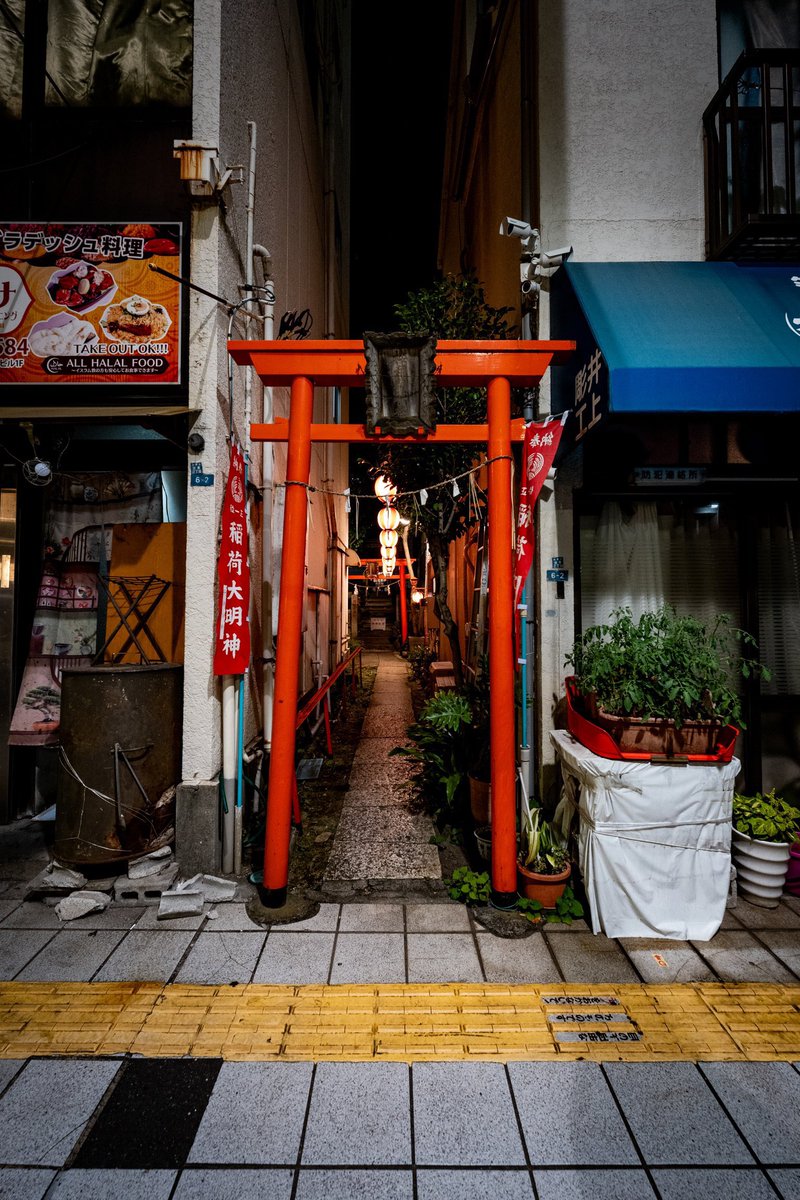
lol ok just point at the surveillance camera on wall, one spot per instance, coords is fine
(554, 258)
(513, 227)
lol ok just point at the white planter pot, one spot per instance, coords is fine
(760, 869)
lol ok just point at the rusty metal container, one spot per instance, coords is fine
(119, 761)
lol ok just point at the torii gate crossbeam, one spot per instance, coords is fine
(302, 366)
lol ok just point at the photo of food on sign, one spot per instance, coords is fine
(90, 303)
(80, 286)
(135, 320)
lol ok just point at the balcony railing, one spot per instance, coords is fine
(752, 145)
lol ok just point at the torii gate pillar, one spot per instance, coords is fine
(301, 365)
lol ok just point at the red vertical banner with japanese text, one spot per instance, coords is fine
(232, 641)
(538, 451)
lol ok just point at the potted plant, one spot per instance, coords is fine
(543, 866)
(665, 684)
(764, 827)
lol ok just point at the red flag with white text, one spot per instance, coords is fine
(232, 641)
(538, 451)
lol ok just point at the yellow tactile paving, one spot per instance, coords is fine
(404, 1022)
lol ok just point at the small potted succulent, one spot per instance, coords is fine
(662, 684)
(764, 827)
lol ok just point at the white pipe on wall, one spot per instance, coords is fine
(268, 316)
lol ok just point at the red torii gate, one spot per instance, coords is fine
(301, 365)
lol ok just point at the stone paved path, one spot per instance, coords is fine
(378, 836)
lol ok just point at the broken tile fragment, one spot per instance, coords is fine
(80, 904)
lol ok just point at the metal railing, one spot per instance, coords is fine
(752, 155)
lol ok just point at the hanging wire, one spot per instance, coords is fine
(429, 487)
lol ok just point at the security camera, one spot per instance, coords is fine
(554, 258)
(513, 227)
(196, 443)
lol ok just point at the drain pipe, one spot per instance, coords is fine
(529, 167)
(268, 652)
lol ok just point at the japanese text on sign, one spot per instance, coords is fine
(232, 649)
(79, 303)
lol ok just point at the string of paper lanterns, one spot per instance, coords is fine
(388, 522)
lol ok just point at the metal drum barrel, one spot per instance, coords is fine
(119, 761)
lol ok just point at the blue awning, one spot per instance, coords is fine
(679, 337)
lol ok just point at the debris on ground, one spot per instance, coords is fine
(55, 879)
(213, 889)
(150, 864)
(180, 904)
(148, 890)
(80, 904)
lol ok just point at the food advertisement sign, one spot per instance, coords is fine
(79, 303)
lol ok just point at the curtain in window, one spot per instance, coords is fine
(12, 26)
(621, 563)
(779, 600)
(636, 555)
(119, 52)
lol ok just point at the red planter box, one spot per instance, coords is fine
(643, 741)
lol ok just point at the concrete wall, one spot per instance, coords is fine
(250, 66)
(622, 88)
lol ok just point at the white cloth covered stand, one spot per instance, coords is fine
(654, 841)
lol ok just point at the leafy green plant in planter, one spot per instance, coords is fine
(764, 827)
(441, 751)
(768, 818)
(664, 666)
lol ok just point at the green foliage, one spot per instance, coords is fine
(470, 887)
(453, 307)
(419, 660)
(664, 665)
(541, 850)
(473, 887)
(441, 750)
(566, 911)
(768, 817)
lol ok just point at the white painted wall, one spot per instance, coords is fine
(622, 88)
(249, 64)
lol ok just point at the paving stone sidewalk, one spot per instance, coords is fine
(205, 1130)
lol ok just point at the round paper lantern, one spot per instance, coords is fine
(389, 538)
(384, 488)
(388, 517)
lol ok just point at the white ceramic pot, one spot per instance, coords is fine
(760, 869)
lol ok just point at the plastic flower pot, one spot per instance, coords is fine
(792, 884)
(547, 889)
(483, 840)
(760, 869)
